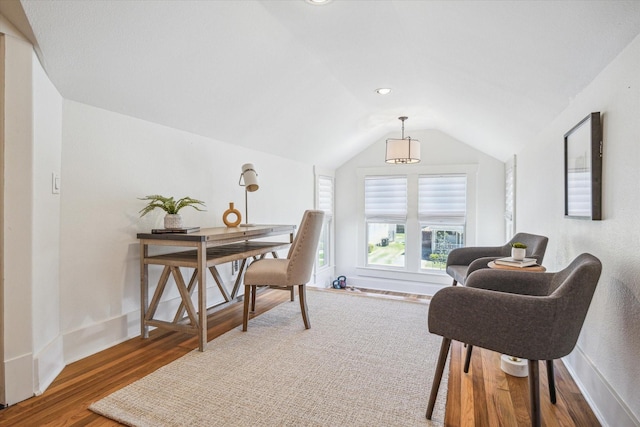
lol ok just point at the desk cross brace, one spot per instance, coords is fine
(186, 293)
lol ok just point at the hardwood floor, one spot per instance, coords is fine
(484, 397)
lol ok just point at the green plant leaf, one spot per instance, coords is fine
(169, 204)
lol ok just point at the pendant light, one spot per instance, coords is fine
(402, 151)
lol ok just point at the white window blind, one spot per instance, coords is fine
(325, 195)
(385, 199)
(442, 199)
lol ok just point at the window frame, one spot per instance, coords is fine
(412, 270)
(325, 236)
(323, 275)
(396, 216)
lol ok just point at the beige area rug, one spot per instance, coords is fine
(365, 361)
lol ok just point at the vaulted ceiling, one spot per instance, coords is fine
(298, 80)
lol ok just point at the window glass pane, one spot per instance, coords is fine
(385, 244)
(437, 241)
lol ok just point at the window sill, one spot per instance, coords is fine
(439, 277)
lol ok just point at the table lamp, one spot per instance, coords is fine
(248, 180)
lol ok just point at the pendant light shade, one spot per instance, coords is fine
(402, 151)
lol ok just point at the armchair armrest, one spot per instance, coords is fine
(481, 263)
(464, 256)
(511, 281)
(496, 321)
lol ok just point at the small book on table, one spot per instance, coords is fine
(511, 262)
(183, 230)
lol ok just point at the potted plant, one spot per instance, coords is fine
(172, 219)
(518, 251)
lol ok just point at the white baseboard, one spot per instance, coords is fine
(606, 404)
(89, 340)
(411, 287)
(47, 365)
(18, 373)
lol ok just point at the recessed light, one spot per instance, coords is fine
(318, 2)
(383, 91)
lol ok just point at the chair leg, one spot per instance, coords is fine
(455, 282)
(467, 359)
(245, 312)
(293, 293)
(534, 393)
(437, 376)
(254, 290)
(551, 379)
(302, 294)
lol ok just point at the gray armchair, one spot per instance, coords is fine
(532, 316)
(461, 262)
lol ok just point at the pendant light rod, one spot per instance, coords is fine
(402, 119)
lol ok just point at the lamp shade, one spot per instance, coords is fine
(250, 177)
(402, 151)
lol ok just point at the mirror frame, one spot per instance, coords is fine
(583, 169)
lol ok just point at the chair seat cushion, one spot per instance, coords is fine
(268, 272)
(458, 272)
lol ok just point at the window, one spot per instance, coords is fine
(442, 209)
(412, 221)
(325, 203)
(385, 206)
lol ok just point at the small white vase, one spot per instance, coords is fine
(172, 221)
(518, 253)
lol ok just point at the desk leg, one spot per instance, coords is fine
(144, 289)
(236, 286)
(202, 295)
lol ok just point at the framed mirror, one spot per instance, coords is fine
(583, 169)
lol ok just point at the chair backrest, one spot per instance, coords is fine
(536, 245)
(303, 249)
(573, 289)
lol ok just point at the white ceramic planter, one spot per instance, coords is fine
(172, 221)
(518, 253)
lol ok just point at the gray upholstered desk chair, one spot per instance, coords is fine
(463, 261)
(534, 316)
(286, 273)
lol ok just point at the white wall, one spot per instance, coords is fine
(108, 161)
(438, 149)
(47, 143)
(605, 361)
(17, 230)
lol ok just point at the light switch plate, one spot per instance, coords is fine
(55, 183)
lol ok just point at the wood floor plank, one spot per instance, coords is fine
(480, 412)
(499, 404)
(467, 411)
(454, 399)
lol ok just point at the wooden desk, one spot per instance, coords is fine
(532, 268)
(201, 251)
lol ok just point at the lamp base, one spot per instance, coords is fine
(246, 225)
